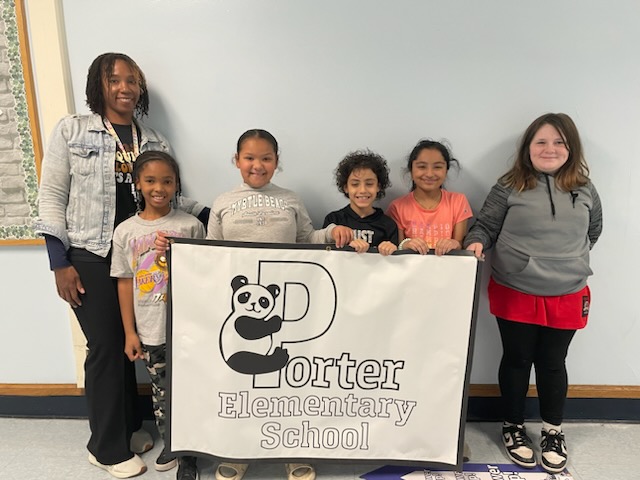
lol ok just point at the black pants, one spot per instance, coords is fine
(546, 348)
(110, 380)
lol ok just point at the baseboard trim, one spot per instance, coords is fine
(476, 390)
(53, 389)
(575, 391)
(585, 402)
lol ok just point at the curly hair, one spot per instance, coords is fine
(573, 174)
(359, 160)
(100, 70)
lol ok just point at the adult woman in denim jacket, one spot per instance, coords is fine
(85, 191)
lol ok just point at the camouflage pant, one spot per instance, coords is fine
(155, 361)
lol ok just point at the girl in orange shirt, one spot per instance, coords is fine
(430, 217)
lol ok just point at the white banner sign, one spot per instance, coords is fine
(307, 353)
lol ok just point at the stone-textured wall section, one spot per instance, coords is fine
(18, 178)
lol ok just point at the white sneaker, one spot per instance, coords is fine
(231, 471)
(300, 471)
(127, 469)
(141, 441)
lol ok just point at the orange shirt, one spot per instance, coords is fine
(431, 225)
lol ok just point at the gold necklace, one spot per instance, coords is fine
(431, 204)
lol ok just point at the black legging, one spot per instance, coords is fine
(546, 348)
(110, 381)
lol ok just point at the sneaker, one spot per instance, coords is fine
(165, 461)
(141, 441)
(554, 451)
(127, 469)
(187, 469)
(231, 471)
(518, 445)
(300, 471)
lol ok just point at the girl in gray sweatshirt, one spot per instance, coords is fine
(542, 218)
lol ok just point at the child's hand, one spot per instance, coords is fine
(162, 244)
(387, 248)
(445, 245)
(417, 245)
(342, 235)
(133, 347)
(359, 245)
(476, 248)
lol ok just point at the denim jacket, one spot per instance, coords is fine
(77, 196)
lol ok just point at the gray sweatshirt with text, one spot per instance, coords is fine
(269, 214)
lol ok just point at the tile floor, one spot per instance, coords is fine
(54, 449)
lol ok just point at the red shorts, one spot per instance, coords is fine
(567, 312)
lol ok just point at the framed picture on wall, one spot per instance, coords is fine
(20, 140)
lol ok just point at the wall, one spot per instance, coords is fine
(36, 341)
(329, 77)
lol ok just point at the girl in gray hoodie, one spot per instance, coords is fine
(542, 217)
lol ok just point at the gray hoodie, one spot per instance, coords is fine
(542, 236)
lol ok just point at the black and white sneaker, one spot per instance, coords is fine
(187, 469)
(554, 451)
(165, 461)
(518, 445)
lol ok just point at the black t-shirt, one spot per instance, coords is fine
(375, 228)
(125, 202)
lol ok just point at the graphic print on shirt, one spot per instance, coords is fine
(366, 235)
(124, 165)
(150, 280)
(430, 225)
(430, 232)
(258, 209)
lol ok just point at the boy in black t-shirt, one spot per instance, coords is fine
(363, 177)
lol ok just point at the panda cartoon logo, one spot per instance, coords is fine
(246, 339)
